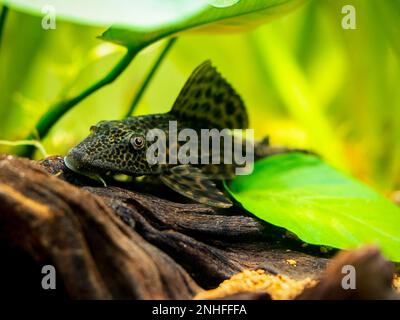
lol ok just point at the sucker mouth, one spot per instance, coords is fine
(70, 165)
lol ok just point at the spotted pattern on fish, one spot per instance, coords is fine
(209, 101)
(206, 101)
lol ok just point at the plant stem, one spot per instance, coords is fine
(149, 76)
(3, 17)
(32, 143)
(55, 112)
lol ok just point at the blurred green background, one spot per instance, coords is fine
(306, 81)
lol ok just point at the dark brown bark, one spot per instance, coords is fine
(95, 254)
(373, 278)
(125, 241)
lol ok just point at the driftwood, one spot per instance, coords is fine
(374, 276)
(372, 280)
(126, 240)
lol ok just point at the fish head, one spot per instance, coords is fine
(112, 147)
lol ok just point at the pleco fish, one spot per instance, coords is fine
(206, 101)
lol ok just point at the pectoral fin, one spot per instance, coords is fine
(192, 183)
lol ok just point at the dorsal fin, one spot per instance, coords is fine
(208, 101)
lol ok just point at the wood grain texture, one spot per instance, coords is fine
(133, 241)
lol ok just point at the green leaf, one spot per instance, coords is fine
(134, 14)
(319, 204)
(219, 16)
(138, 23)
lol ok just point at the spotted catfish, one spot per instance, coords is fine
(206, 101)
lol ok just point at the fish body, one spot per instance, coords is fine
(207, 101)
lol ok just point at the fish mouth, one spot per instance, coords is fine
(72, 165)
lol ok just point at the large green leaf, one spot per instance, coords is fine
(126, 13)
(319, 204)
(138, 23)
(219, 16)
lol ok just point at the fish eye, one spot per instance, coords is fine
(92, 129)
(137, 142)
